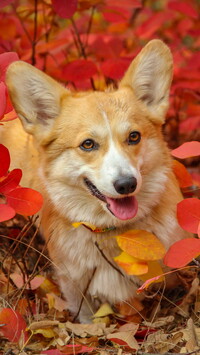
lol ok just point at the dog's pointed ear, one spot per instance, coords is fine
(35, 96)
(150, 76)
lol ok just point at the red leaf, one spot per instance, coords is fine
(6, 212)
(150, 26)
(115, 68)
(182, 252)
(4, 160)
(182, 175)
(116, 14)
(80, 69)
(127, 4)
(3, 99)
(25, 201)
(14, 324)
(186, 150)
(184, 8)
(5, 60)
(190, 124)
(4, 3)
(11, 181)
(188, 214)
(64, 8)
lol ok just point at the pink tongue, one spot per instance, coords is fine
(123, 208)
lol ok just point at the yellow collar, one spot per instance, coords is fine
(93, 228)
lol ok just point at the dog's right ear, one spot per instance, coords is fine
(35, 96)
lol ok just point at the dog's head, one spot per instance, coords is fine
(103, 159)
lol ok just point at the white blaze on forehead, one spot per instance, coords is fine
(107, 123)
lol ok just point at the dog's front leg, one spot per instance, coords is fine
(79, 302)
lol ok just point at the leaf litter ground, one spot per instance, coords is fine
(34, 317)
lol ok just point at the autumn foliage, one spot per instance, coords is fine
(88, 44)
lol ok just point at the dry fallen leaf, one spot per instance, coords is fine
(192, 342)
(160, 342)
(125, 338)
(56, 302)
(83, 330)
(43, 324)
(160, 322)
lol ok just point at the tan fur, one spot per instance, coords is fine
(57, 122)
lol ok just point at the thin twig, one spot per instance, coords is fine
(89, 25)
(81, 46)
(34, 41)
(108, 261)
(22, 23)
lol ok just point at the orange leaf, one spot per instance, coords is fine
(182, 175)
(187, 150)
(141, 244)
(188, 214)
(131, 265)
(10, 116)
(25, 201)
(182, 252)
(130, 308)
(13, 324)
(154, 270)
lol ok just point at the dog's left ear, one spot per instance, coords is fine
(150, 76)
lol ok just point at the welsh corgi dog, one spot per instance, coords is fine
(98, 158)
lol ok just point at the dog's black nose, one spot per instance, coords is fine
(125, 185)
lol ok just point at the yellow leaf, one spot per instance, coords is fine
(49, 286)
(103, 311)
(105, 320)
(47, 333)
(56, 302)
(154, 269)
(51, 300)
(141, 244)
(131, 265)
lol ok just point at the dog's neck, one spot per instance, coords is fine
(93, 228)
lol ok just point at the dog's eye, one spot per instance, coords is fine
(88, 144)
(134, 137)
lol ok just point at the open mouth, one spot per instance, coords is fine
(123, 208)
